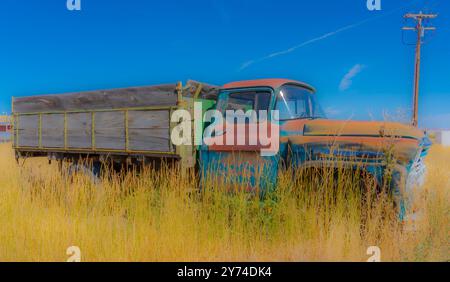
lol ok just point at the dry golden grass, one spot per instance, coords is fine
(157, 216)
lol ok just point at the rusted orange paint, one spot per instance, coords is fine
(273, 83)
(249, 135)
(403, 149)
(367, 128)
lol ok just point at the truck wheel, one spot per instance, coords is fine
(93, 173)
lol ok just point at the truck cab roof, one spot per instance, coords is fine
(272, 83)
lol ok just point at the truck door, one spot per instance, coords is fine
(233, 153)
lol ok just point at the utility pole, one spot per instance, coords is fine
(420, 29)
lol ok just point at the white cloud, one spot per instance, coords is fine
(347, 80)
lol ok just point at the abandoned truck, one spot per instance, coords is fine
(134, 125)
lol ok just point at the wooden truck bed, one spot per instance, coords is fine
(120, 121)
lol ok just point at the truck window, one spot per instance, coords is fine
(245, 101)
(295, 102)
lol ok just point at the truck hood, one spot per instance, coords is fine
(355, 138)
(347, 128)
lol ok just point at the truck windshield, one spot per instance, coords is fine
(295, 102)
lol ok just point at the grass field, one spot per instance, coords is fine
(158, 216)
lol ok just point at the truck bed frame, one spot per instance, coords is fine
(122, 124)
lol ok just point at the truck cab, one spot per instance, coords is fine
(283, 101)
(305, 139)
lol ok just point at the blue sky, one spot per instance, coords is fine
(354, 57)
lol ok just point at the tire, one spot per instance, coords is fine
(93, 173)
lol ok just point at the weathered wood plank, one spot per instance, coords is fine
(145, 96)
(152, 96)
(28, 131)
(149, 131)
(208, 91)
(79, 131)
(110, 130)
(14, 132)
(53, 131)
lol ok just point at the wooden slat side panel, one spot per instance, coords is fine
(52, 131)
(110, 130)
(149, 131)
(14, 132)
(79, 131)
(28, 131)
